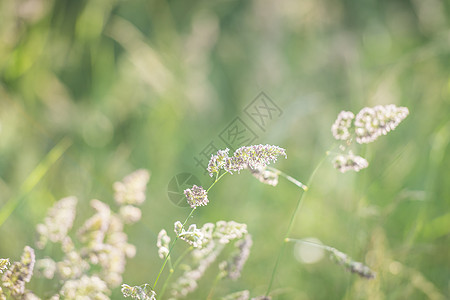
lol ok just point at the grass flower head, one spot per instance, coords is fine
(196, 196)
(372, 122)
(349, 162)
(341, 126)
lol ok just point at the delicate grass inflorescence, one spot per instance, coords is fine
(93, 261)
(369, 124)
(4, 263)
(17, 275)
(207, 242)
(143, 292)
(349, 162)
(252, 157)
(196, 196)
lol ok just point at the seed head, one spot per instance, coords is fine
(341, 126)
(192, 235)
(143, 292)
(196, 196)
(372, 122)
(4, 263)
(350, 265)
(233, 267)
(253, 157)
(218, 161)
(58, 222)
(349, 162)
(163, 244)
(15, 278)
(85, 288)
(257, 156)
(130, 214)
(131, 190)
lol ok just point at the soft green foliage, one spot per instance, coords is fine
(92, 90)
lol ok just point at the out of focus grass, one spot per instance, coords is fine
(148, 84)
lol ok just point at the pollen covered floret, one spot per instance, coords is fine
(232, 268)
(257, 156)
(143, 292)
(372, 122)
(130, 214)
(341, 126)
(253, 157)
(265, 176)
(15, 278)
(213, 239)
(218, 161)
(4, 263)
(193, 236)
(45, 267)
(350, 265)
(349, 162)
(227, 231)
(196, 196)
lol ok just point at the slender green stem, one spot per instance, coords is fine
(290, 178)
(34, 178)
(217, 179)
(291, 224)
(211, 291)
(324, 247)
(172, 270)
(170, 250)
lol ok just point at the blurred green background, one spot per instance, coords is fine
(92, 90)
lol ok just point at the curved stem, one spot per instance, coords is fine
(324, 247)
(170, 250)
(291, 224)
(172, 270)
(217, 179)
(211, 291)
(290, 178)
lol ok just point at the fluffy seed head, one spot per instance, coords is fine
(196, 196)
(143, 292)
(341, 126)
(85, 288)
(45, 267)
(192, 235)
(350, 265)
(58, 222)
(265, 176)
(4, 263)
(372, 122)
(253, 157)
(233, 267)
(218, 161)
(349, 162)
(163, 244)
(19, 273)
(130, 214)
(131, 190)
